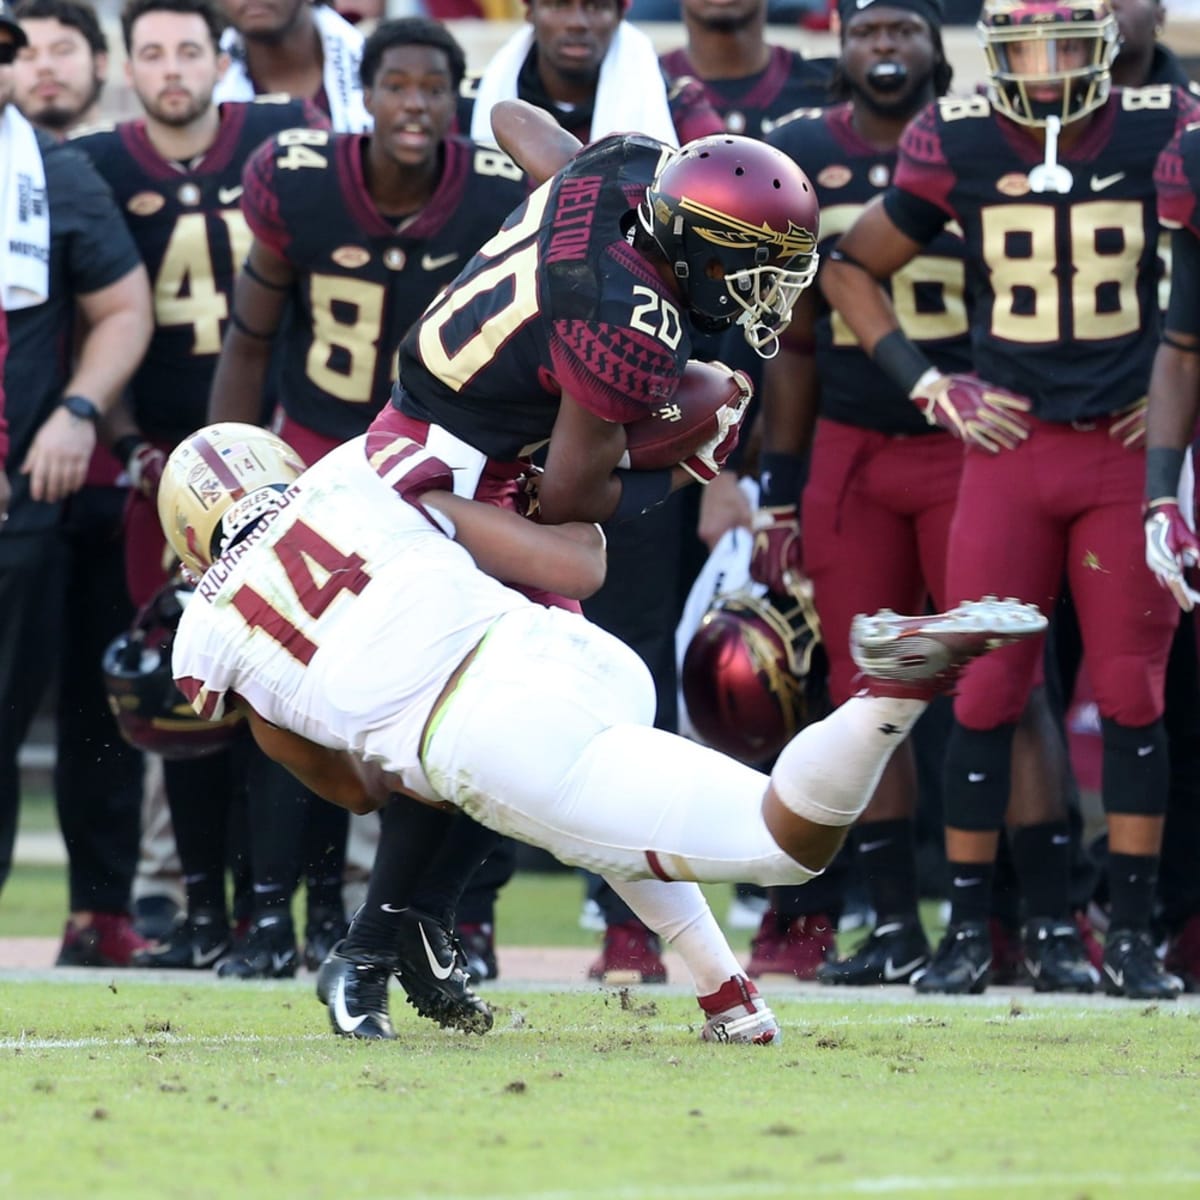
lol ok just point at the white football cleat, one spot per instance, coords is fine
(737, 1013)
(919, 657)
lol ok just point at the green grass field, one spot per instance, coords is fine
(114, 1084)
(137, 1089)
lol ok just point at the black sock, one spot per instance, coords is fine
(448, 872)
(1042, 857)
(1131, 882)
(410, 835)
(324, 856)
(970, 891)
(887, 858)
(199, 795)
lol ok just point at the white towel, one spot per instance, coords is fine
(631, 95)
(342, 46)
(24, 215)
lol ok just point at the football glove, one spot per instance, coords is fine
(978, 413)
(1170, 548)
(777, 556)
(145, 467)
(1130, 426)
(705, 463)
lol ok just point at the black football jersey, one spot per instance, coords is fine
(188, 225)
(362, 279)
(1063, 286)
(927, 293)
(557, 301)
(753, 104)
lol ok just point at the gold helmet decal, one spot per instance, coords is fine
(736, 234)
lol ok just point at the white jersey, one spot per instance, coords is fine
(340, 618)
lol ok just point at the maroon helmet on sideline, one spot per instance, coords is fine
(152, 714)
(755, 673)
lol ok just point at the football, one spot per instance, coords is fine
(678, 428)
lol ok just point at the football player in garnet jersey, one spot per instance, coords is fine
(176, 175)
(391, 669)
(1050, 177)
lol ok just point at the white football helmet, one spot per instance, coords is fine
(218, 481)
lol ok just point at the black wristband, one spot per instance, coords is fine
(124, 447)
(81, 407)
(900, 360)
(242, 327)
(781, 478)
(270, 285)
(1163, 467)
(640, 492)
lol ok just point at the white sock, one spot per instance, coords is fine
(828, 772)
(680, 915)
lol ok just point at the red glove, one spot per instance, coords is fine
(705, 464)
(1170, 548)
(978, 413)
(778, 553)
(145, 467)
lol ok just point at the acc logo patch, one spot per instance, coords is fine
(189, 194)
(394, 258)
(879, 175)
(1014, 184)
(145, 204)
(351, 257)
(835, 176)
(735, 122)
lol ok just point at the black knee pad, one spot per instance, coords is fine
(978, 777)
(1136, 768)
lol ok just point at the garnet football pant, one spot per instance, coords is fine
(876, 521)
(1068, 499)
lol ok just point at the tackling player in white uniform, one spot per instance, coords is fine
(349, 611)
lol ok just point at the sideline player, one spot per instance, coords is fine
(1051, 178)
(306, 585)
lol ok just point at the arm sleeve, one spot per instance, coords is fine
(1183, 309)
(260, 200)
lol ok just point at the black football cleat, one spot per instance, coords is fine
(432, 970)
(894, 953)
(355, 991)
(962, 962)
(1132, 968)
(323, 929)
(195, 943)
(1055, 957)
(268, 951)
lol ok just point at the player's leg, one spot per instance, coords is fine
(1014, 549)
(1127, 622)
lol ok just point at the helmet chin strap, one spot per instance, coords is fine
(1049, 176)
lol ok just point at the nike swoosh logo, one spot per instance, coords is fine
(1100, 182)
(890, 927)
(1144, 750)
(280, 961)
(1118, 977)
(959, 881)
(439, 972)
(429, 263)
(892, 973)
(863, 3)
(205, 958)
(390, 908)
(228, 195)
(976, 776)
(341, 1014)
(867, 847)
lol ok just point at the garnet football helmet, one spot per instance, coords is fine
(218, 481)
(151, 712)
(737, 220)
(1068, 43)
(755, 673)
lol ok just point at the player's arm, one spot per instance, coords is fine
(1174, 400)
(789, 401)
(119, 322)
(873, 249)
(533, 139)
(567, 559)
(260, 296)
(333, 774)
(581, 482)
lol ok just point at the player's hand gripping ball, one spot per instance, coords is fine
(711, 400)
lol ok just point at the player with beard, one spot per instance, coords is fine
(1050, 177)
(882, 476)
(176, 175)
(62, 70)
